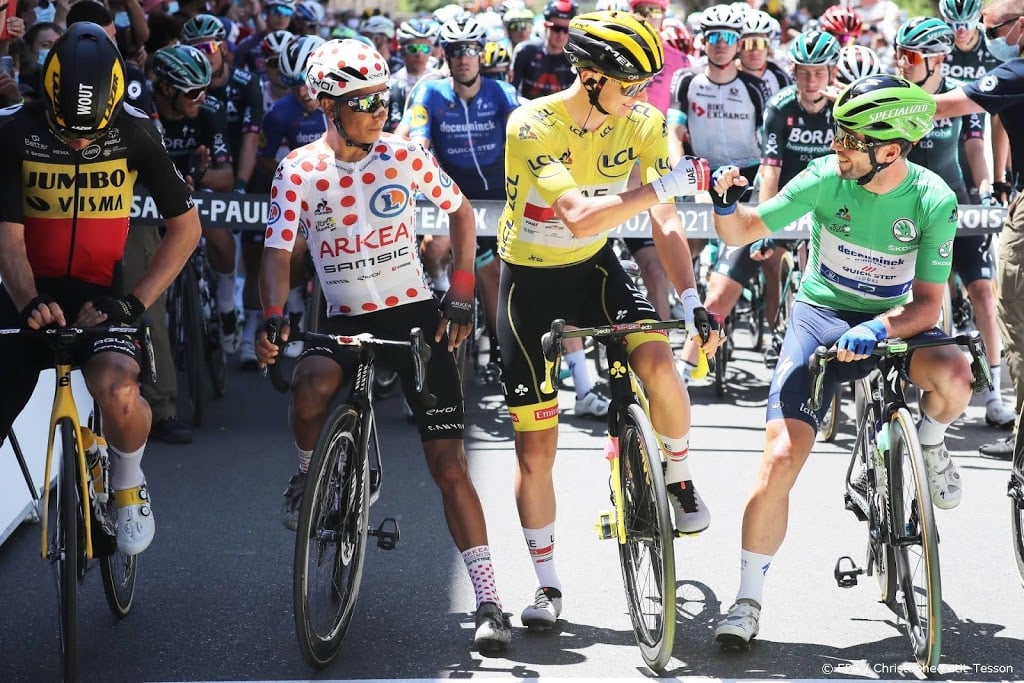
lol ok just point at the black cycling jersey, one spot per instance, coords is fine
(209, 128)
(792, 136)
(999, 92)
(536, 73)
(243, 100)
(939, 150)
(969, 65)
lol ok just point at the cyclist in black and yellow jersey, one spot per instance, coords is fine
(66, 183)
(569, 157)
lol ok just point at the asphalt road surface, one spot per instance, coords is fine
(214, 594)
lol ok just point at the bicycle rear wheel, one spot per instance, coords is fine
(330, 543)
(647, 557)
(1016, 493)
(917, 553)
(193, 340)
(66, 545)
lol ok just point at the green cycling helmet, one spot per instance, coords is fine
(960, 11)
(885, 108)
(182, 66)
(927, 35)
(814, 48)
(203, 28)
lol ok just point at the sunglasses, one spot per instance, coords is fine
(847, 141)
(845, 38)
(727, 37)
(633, 88)
(193, 94)
(69, 134)
(990, 33)
(520, 25)
(369, 104)
(962, 25)
(209, 47)
(650, 12)
(416, 49)
(556, 28)
(463, 51)
(281, 10)
(912, 57)
(754, 44)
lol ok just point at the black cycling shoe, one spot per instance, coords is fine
(171, 430)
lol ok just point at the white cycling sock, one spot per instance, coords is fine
(930, 432)
(304, 458)
(753, 569)
(577, 362)
(126, 468)
(253, 317)
(676, 451)
(541, 543)
(225, 292)
(481, 573)
(997, 382)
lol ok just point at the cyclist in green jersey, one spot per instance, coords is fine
(882, 229)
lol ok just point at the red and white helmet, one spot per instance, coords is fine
(339, 67)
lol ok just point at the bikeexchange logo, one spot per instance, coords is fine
(389, 201)
(904, 230)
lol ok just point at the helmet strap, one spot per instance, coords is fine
(877, 166)
(349, 142)
(470, 83)
(594, 87)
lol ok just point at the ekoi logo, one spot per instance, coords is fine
(389, 201)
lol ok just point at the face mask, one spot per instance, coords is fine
(122, 20)
(41, 59)
(1001, 50)
(46, 13)
(172, 8)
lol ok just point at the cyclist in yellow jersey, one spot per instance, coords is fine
(569, 157)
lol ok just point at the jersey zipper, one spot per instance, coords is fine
(74, 216)
(472, 150)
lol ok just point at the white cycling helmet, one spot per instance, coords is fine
(722, 18)
(855, 62)
(378, 25)
(295, 58)
(339, 67)
(756, 22)
(463, 29)
(418, 29)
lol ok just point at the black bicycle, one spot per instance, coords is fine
(1015, 490)
(194, 329)
(887, 487)
(344, 479)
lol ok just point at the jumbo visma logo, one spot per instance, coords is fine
(389, 201)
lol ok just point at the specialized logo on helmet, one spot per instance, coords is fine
(897, 113)
(904, 230)
(946, 249)
(389, 201)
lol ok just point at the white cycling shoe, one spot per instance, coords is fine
(739, 626)
(135, 524)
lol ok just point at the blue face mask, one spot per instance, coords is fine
(1001, 50)
(172, 7)
(46, 13)
(41, 59)
(122, 20)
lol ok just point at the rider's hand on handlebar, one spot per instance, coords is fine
(42, 311)
(271, 338)
(859, 341)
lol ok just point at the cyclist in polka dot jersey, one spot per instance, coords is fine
(350, 195)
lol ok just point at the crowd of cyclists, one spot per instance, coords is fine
(577, 121)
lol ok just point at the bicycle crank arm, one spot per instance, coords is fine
(387, 533)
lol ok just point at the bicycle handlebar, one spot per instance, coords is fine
(551, 342)
(418, 348)
(900, 347)
(63, 337)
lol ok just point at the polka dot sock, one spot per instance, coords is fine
(481, 573)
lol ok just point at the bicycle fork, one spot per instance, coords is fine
(611, 523)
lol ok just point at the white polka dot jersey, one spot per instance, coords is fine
(359, 220)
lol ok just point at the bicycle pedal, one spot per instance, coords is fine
(846, 578)
(605, 525)
(387, 533)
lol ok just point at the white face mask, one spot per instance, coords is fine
(46, 13)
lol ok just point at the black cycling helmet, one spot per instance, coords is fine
(561, 9)
(83, 81)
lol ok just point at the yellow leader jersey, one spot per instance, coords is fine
(546, 155)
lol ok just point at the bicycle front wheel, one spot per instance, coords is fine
(66, 543)
(330, 543)
(917, 549)
(193, 355)
(647, 557)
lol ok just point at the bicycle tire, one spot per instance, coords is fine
(1016, 493)
(195, 342)
(757, 312)
(722, 360)
(216, 359)
(330, 543)
(917, 572)
(67, 545)
(650, 594)
(830, 423)
(118, 572)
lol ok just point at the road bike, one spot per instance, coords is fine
(79, 517)
(641, 519)
(344, 480)
(194, 329)
(887, 487)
